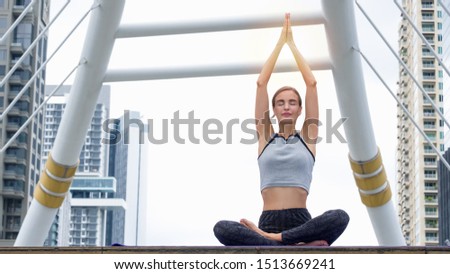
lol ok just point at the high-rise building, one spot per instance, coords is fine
(444, 181)
(446, 61)
(417, 161)
(94, 154)
(128, 164)
(444, 201)
(92, 204)
(20, 165)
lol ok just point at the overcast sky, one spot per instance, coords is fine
(192, 186)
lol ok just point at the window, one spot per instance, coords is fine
(427, 4)
(429, 124)
(427, 15)
(22, 2)
(426, 52)
(428, 75)
(431, 224)
(23, 34)
(428, 63)
(430, 160)
(428, 112)
(428, 27)
(431, 136)
(430, 211)
(431, 237)
(3, 55)
(430, 173)
(430, 38)
(426, 101)
(430, 186)
(3, 23)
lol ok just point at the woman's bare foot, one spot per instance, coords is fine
(252, 226)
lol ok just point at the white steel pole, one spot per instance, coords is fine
(61, 166)
(213, 25)
(364, 155)
(118, 75)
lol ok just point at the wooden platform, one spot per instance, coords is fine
(228, 250)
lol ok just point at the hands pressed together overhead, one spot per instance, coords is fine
(286, 36)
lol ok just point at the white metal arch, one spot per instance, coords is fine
(104, 27)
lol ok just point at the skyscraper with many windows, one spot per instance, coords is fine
(444, 201)
(92, 205)
(444, 181)
(417, 160)
(94, 154)
(20, 165)
(128, 164)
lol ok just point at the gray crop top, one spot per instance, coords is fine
(286, 163)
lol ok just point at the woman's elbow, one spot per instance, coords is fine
(311, 83)
(261, 83)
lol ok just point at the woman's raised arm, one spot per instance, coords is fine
(310, 128)
(262, 116)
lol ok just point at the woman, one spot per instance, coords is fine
(286, 161)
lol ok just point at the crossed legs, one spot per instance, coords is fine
(283, 228)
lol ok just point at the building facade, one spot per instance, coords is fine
(444, 201)
(92, 203)
(417, 161)
(20, 165)
(446, 61)
(128, 161)
(444, 173)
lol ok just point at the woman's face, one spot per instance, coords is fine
(287, 108)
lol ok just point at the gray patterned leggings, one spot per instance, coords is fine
(295, 224)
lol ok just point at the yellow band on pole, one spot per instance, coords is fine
(59, 170)
(361, 168)
(46, 199)
(366, 167)
(371, 183)
(377, 199)
(54, 185)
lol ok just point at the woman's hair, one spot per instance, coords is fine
(283, 89)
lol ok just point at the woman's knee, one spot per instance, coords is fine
(221, 227)
(339, 216)
(222, 232)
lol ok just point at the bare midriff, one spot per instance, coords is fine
(277, 198)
